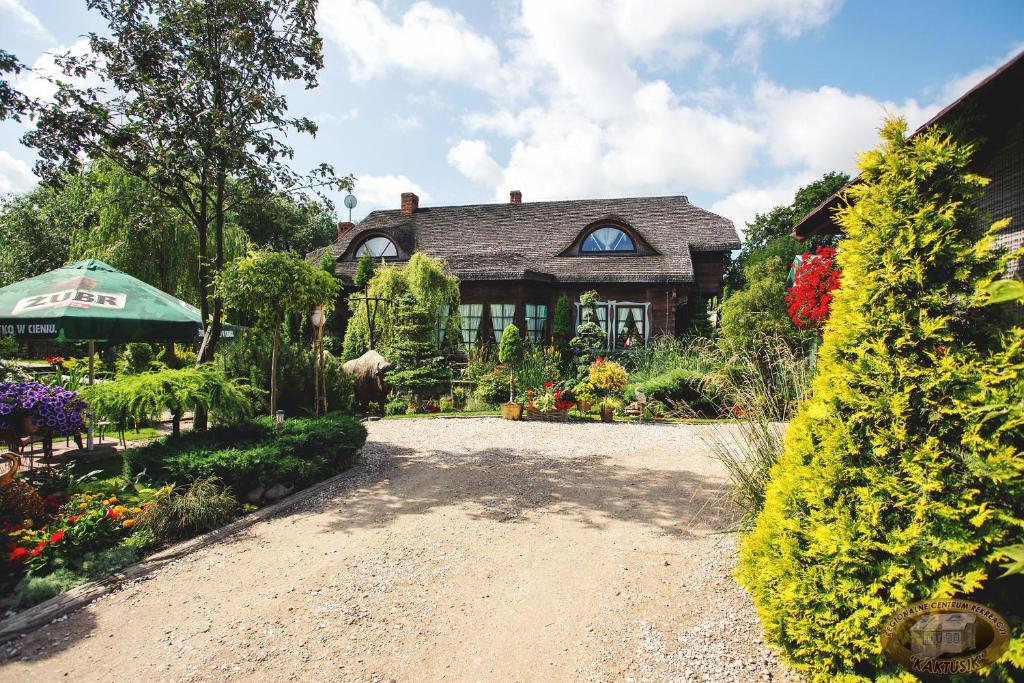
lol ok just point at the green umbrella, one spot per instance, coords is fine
(93, 301)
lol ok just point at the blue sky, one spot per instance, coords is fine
(734, 104)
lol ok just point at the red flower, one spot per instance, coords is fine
(38, 549)
(807, 301)
(17, 555)
(112, 513)
(548, 385)
(55, 360)
(73, 518)
(57, 536)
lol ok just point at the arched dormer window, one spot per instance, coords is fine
(378, 247)
(607, 240)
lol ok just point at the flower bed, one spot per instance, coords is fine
(546, 415)
(31, 406)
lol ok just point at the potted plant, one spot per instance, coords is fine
(608, 379)
(607, 407)
(510, 353)
(550, 404)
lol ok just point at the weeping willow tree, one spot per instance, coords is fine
(137, 232)
(432, 287)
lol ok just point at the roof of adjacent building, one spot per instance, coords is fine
(993, 99)
(527, 241)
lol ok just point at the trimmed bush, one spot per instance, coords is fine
(253, 453)
(680, 384)
(902, 477)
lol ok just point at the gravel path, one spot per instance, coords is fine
(469, 549)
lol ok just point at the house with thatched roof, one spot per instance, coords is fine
(654, 261)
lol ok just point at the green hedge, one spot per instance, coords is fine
(254, 453)
(680, 384)
(902, 477)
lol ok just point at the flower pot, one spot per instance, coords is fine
(546, 415)
(607, 414)
(511, 411)
(27, 427)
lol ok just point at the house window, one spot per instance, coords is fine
(626, 324)
(442, 321)
(630, 324)
(536, 322)
(607, 240)
(471, 315)
(378, 247)
(501, 317)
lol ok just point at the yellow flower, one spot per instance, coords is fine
(120, 509)
(82, 506)
(136, 510)
(129, 523)
(27, 523)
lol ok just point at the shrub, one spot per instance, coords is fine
(136, 357)
(396, 406)
(759, 310)
(33, 590)
(146, 397)
(902, 478)
(202, 506)
(492, 388)
(607, 376)
(254, 453)
(510, 354)
(679, 385)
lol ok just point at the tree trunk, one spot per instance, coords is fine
(511, 383)
(176, 424)
(218, 257)
(273, 367)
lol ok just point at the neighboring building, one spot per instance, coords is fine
(994, 111)
(654, 261)
(941, 633)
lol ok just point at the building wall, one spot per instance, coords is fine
(1004, 195)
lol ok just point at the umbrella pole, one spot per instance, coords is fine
(92, 353)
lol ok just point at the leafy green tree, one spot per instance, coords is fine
(364, 271)
(768, 234)
(429, 282)
(902, 476)
(510, 353)
(270, 285)
(561, 327)
(37, 227)
(191, 100)
(279, 221)
(758, 311)
(13, 103)
(414, 353)
(590, 336)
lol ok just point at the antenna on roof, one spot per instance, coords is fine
(350, 202)
(685, 198)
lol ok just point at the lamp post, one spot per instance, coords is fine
(317, 319)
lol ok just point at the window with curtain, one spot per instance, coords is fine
(471, 315)
(601, 310)
(501, 317)
(442, 321)
(630, 323)
(536, 322)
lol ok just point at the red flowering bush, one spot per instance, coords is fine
(808, 299)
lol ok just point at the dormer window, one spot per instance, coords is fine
(607, 240)
(378, 247)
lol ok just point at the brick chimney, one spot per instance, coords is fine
(515, 197)
(344, 227)
(410, 202)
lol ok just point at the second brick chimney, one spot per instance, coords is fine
(344, 227)
(410, 202)
(515, 197)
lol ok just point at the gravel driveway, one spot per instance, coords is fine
(460, 549)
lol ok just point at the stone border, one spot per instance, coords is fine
(45, 612)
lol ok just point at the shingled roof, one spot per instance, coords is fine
(526, 241)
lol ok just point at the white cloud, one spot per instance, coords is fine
(823, 129)
(472, 160)
(402, 122)
(742, 205)
(326, 117)
(17, 10)
(15, 175)
(427, 41)
(961, 84)
(385, 191)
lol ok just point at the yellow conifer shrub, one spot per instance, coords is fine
(902, 476)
